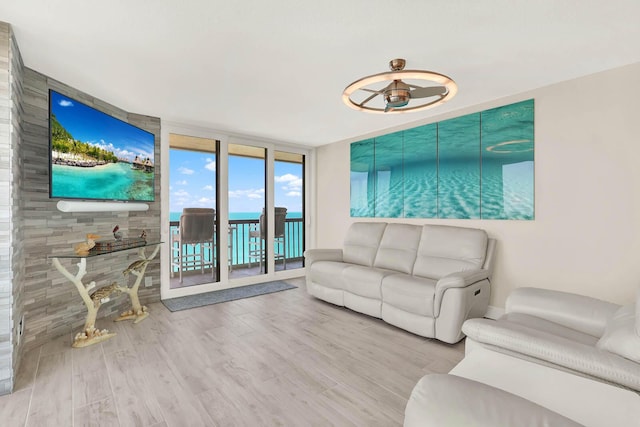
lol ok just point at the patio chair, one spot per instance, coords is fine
(194, 240)
(257, 236)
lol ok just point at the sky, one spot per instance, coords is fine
(89, 125)
(192, 182)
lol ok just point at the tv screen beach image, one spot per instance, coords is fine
(96, 156)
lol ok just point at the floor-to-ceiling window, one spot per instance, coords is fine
(255, 193)
(192, 210)
(247, 207)
(288, 186)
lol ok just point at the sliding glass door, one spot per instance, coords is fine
(246, 199)
(289, 234)
(193, 218)
(247, 204)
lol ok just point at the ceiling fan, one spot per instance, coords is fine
(398, 94)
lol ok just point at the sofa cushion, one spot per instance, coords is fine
(398, 247)
(408, 293)
(364, 281)
(621, 336)
(328, 273)
(445, 249)
(362, 241)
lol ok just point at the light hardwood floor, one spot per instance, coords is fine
(283, 359)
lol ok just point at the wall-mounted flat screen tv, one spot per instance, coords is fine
(96, 156)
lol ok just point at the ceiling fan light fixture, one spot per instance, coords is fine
(398, 94)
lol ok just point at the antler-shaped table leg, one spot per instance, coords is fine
(90, 335)
(137, 268)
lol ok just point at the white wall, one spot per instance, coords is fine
(586, 234)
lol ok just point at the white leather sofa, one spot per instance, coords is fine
(561, 359)
(427, 279)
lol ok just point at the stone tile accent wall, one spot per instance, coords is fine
(32, 228)
(6, 351)
(16, 81)
(51, 304)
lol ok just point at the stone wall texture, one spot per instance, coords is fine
(51, 304)
(32, 229)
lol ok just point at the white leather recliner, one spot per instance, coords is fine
(427, 279)
(560, 359)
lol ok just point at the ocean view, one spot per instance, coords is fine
(175, 216)
(239, 235)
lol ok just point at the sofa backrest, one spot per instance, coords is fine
(445, 249)
(362, 241)
(398, 247)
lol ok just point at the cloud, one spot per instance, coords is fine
(181, 193)
(293, 184)
(120, 153)
(185, 171)
(208, 187)
(251, 194)
(183, 182)
(206, 200)
(211, 165)
(65, 103)
(286, 178)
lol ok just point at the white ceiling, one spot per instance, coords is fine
(276, 69)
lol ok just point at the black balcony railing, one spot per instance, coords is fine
(238, 239)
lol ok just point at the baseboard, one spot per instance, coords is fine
(494, 312)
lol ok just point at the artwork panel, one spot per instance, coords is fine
(421, 172)
(362, 179)
(459, 167)
(389, 156)
(508, 162)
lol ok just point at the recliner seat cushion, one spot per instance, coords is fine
(361, 242)
(398, 247)
(328, 273)
(364, 281)
(444, 250)
(408, 293)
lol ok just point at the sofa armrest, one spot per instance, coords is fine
(578, 312)
(445, 400)
(459, 279)
(313, 255)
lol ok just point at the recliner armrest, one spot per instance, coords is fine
(459, 279)
(578, 312)
(313, 255)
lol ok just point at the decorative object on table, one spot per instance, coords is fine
(102, 295)
(135, 266)
(117, 233)
(109, 245)
(143, 235)
(83, 248)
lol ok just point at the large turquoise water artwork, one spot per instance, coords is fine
(477, 166)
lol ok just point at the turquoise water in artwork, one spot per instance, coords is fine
(114, 181)
(477, 166)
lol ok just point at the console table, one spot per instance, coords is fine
(93, 301)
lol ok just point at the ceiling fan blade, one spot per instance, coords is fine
(369, 99)
(425, 92)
